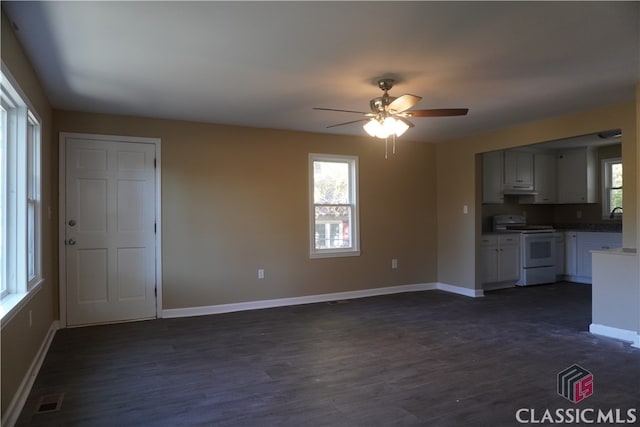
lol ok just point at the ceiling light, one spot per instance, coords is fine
(383, 129)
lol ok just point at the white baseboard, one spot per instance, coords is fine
(622, 334)
(281, 302)
(473, 293)
(10, 416)
(310, 299)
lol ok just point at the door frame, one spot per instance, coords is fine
(62, 203)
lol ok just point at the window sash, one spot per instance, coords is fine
(608, 189)
(20, 204)
(328, 245)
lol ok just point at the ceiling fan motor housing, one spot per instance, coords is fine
(380, 104)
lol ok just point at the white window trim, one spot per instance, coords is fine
(606, 178)
(354, 202)
(19, 288)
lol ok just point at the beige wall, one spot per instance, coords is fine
(458, 171)
(236, 199)
(20, 342)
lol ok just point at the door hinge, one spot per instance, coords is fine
(155, 291)
(154, 162)
(155, 227)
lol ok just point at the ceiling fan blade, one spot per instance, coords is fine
(342, 111)
(348, 123)
(403, 102)
(438, 112)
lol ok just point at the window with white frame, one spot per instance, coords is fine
(612, 188)
(333, 211)
(20, 203)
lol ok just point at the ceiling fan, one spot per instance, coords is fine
(389, 115)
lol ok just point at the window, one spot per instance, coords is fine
(333, 212)
(20, 204)
(612, 188)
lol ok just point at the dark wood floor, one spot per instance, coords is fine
(424, 358)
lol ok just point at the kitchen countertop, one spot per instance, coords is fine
(616, 251)
(612, 227)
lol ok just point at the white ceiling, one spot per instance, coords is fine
(266, 64)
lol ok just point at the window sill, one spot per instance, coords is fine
(11, 304)
(334, 254)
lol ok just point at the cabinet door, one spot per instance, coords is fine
(560, 264)
(587, 242)
(518, 168)
(509, 263)
(577, 176)
(492, 180)
(570, 254)
(489, 263)
(545, 178)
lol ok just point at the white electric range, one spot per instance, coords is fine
(537, 248)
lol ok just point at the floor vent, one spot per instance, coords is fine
(49, 403)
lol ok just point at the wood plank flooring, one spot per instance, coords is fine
(424, 358)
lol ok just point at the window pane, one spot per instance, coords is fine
(615, 198)
(31, 239)
(333, 227)
(331, 182)
(3, 208)
(616, 175)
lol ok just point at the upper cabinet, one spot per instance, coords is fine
(492, 164)
(544, 179)
(518, 170)
(552, 176)
(577, 175)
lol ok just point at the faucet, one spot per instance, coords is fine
(613, 211)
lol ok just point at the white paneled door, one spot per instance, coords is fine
(110, 221)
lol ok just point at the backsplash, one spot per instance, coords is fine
(560, 216)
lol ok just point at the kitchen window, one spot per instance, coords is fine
(333, 207)
(20, 203)
(612, 188)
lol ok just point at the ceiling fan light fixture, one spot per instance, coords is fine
(372, 127)
(385, 128)
(400, 127)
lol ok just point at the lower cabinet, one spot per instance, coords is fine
(578, 247)
(588, 242)
(560, 255)
(500, 258)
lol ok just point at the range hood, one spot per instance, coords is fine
(519, 190)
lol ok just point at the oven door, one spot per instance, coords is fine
(538, 250)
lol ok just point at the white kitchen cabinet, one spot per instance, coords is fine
(577, 175)
(544, 180)
(518, 170)
(560, 254)
(500, 258)
(492, 181)
(589, 241)
(570, 254)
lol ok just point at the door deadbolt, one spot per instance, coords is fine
(72, 222)
(71, 242)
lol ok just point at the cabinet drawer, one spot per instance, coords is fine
(509, 240)
(489, 240)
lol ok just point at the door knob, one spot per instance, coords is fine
(72, 222)
(71, 242)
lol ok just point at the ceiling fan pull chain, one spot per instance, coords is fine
(386, 150)
(394, 143)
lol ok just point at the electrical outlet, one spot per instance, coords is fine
(261, 273)
(465, 209)
(394, 263)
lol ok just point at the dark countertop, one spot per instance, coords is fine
(609, 227)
